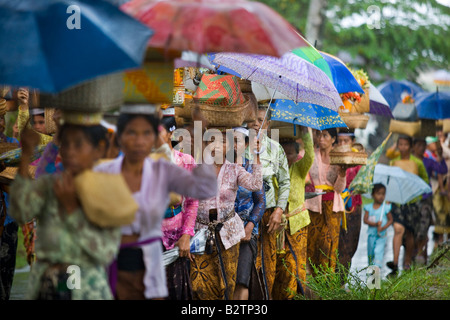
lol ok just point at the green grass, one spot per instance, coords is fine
(419, 283)
(21, 255)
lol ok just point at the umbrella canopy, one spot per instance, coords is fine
(263, 93)
(401, 186)
(312, 55)
(291, 75)
(378, 104)
(216, 26)
(393, 90)
(304, 114)
(342, 77)
(362, 183)
(433, 105)
(41, 51)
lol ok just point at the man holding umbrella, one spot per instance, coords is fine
(277, 185)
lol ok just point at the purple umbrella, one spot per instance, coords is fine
(291, 75)
(378, 104)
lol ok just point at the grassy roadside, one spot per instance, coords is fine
(21, 255)
(420, 283)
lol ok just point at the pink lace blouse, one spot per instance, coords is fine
(231, 176)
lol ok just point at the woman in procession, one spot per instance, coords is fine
(213, 273)
(65, 235)
(349, 239)
(140, 270)
(250, 206)
(179, 221)
(325, 210)
(292, 258)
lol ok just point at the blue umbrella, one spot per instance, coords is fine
(305, 114)
(433, 105)
(343, 78)
(52, 45)
(392, 90)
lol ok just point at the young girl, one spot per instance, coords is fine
(64, 235)
(378, 217)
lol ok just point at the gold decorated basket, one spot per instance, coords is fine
(346, 155)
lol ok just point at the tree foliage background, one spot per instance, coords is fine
(409, 36)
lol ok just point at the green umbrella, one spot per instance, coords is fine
(362, 183)
(313, 56)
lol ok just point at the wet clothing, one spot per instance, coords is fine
(206, 272)
(64, 238)
(376, 242)
(159, 178)
(250, 205)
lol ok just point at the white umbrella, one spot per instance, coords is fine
(401, 186)
(263, 93)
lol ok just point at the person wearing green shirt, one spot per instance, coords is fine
(406, 216)
(277, 185)
(291, 261)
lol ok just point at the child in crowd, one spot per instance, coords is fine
(378, 217)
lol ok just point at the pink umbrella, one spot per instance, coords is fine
(216, 26)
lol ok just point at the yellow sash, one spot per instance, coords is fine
(324, 187)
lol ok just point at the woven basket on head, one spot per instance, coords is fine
(100, 94)
(179, 121)
(416, 129)
(355, 120)
(362, 106)
(6, 146)
(409, 128)
(183, 111)
(50, 125)
(221, 116)
(245, 85)
(446, 125)
(252, 108)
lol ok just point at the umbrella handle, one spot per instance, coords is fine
(382, 211)
(270, 102)
(295, 128)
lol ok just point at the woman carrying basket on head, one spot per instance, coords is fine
(213, 274)
(65, 236)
